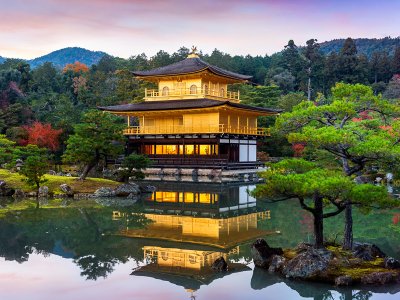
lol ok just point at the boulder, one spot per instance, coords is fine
(147, 188)
(308, 264)
(31, 194)
(19, 194)
(126, 189)
(277, 263)
(52, 172)
(367, 251)
(104, 192)
(5, 190)
(43, 191)
(303, 247)
(391, 263)
(379, 278)
(66, 189)
(343, 280)
(263, 254)
(220, 265)
(3, 184)
(132, 197)
(362, 180)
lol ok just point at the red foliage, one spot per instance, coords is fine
(364, 115)
(42, 135)
(396, 219)
(298, 149)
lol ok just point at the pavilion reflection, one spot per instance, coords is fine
(193, 225)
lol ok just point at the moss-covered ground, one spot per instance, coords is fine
(344, 263)
(89, 185)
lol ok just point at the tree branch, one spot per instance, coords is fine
(304, 206)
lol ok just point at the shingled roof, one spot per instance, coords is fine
(182, 104)
(190, 65)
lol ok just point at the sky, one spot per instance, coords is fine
(31, 28)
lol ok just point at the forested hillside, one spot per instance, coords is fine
(59, 97)
(65, 56)
(364, 46)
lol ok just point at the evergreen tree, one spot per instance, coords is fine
(396, 61)
(99, 137)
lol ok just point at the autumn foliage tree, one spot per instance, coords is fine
(76, 67)
(43, 135)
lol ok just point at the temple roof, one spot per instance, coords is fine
(183, 104)
(190, 65)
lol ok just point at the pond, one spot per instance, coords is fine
(162, 246)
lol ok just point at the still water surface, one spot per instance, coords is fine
(162, 246)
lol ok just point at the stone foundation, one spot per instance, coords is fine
(203, 175)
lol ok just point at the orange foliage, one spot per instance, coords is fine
(76, 67)
(42, 135)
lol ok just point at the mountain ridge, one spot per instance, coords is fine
(60, 58)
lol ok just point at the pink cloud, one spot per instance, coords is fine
(129, 27)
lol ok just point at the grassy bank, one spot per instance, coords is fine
(89, 185)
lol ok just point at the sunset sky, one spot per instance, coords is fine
(31, 28)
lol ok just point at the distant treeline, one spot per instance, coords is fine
(59, 96)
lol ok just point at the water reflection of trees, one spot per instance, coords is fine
(83, 233)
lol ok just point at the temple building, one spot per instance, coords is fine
(192, 119)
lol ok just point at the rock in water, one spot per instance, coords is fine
(379, 278)
(344, 280)
(367, 251)
(391, 263)
(263, 254)
(220, 265)
(5, 190)
(308, 264)
(43, 191)
(19, 194)
(66, 189)
(104, 192)
(277, 263)
(124, 190)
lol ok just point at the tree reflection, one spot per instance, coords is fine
(86, 234)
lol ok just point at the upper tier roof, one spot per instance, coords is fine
(190, 65)
(183, 104)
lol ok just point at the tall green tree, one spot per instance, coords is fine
(396, 61)
(348, 62)
(96, 139)
(352, 129)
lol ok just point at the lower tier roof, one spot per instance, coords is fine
(183, 104)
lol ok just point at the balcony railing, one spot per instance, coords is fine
(204, 129)
(190, 94)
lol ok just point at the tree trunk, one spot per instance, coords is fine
(86, 171)
(309, 89)
(348, 228)
(318, 222)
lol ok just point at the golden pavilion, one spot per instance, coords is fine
(193, 120)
